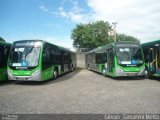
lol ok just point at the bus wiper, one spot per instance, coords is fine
(29, 51)
(134, 51)
(127, 54)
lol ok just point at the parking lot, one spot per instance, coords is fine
(81, 91)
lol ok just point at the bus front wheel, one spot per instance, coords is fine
(72, 68)
(55, 74)
(146, 74)
(104, 71)
(89, 67)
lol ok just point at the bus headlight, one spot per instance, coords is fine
(36, 75)
(10, 76)
(36, 72)
(119, 70)
(142, 71)
(9, 72)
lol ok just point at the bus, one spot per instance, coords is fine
(151, 52)
(117, 59)
(38, 60)
(4, 52)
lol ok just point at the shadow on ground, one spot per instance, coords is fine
(60, 78)
(125, 78)
(128, 78)
(155, 78)
(6, 82)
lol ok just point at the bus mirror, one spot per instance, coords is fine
(156, 45)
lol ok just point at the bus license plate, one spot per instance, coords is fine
(22, 78)
(131, 74)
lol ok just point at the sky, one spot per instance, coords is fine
(54, 20)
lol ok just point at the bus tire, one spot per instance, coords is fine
(55, 73)
(146, 74)
(72, 68)
(104, 71)
(89, 68)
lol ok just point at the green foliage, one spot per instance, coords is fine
(1, 39)
(91, 35)
(123, 37)
(95, 34)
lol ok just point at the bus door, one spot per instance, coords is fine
(65, 61)
(158, 59)
(93, 61)
(62, 61)
(69, 61)
(110, 60)
(152, 60)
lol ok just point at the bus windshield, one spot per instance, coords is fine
(129, 56)
(24, 56)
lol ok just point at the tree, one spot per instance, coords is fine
(123, 37)
(1, 39)
(95, 34)
(91, 35)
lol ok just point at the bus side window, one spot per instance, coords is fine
(46, 58)
(6, 52)
(104, 57)
(97, 58)
(1, 57)
(15, 57)
(158, 56)
(69, 58)
(94, 57)
(146, 55)
(110, 59)
(55, 55)
(66, 60)
(53, 58)
(49, 57)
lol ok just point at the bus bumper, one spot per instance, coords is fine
(141, 72)
(36, 76)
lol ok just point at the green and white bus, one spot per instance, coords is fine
(37, 60)
(152, 57)
(117, 59)
(4, 52)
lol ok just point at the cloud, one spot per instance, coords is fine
(74, 13)
(137, 18)
(134, 17)
(43, 8)
(62, 13)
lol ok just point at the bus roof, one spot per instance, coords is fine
(43, 41)
(4, 43)
(111, 45)
(151, 43)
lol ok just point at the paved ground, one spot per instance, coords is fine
(81, 91)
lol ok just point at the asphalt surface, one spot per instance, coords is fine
(81, 91)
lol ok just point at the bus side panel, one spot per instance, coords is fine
(101, 67)
(47, 73)
(5, 48)
(3, 74)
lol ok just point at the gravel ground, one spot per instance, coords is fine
(81, 91)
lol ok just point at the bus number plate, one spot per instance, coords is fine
(131, 74)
